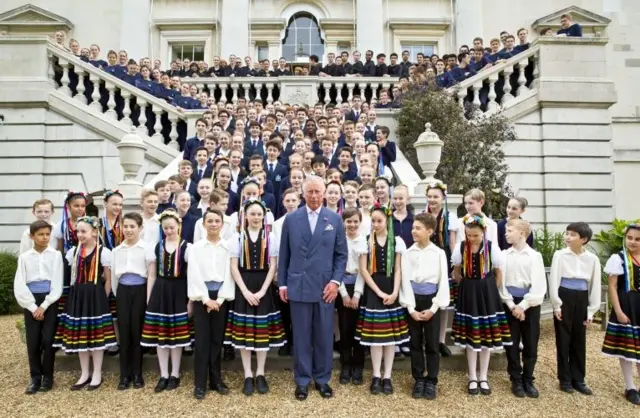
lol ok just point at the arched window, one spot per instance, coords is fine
(302, 37)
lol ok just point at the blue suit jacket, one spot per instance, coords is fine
(308, 262)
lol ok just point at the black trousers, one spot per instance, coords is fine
(527, 331)
(427, 333)
(209, 329)
(285, 314)
(351, 351)
(40, 339)
(571, 335)
(131, 303)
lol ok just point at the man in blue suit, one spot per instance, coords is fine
(312, 262)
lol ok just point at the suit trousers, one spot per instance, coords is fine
(312, 341)
(571, 335)
(40, 339)
(209, 329)
(527, 331)
(351, 351)
(425, 339)
(131, 303)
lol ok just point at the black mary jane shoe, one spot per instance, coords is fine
(485, 391)
(345, 376)
(430, 391)
(376, 386)
(325, 390)
(33, 388)
(530, 390)
(418, 389)
(473, 391)
(138, 382)
(113, 353)
(81, 385)
(387, 387)
(261, 385)
(633, 396)
(124, 383)
(220, 387)
(94, 387)
(174, 383)
(517, 389)
(199, 393)
(444, 350)
(47, 384)
(163, 382)
(583, 388)
(356, 377)
(302, 392)
(247, 389)
(187, 351)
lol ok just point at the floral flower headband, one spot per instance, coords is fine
(474, 220)
(72, 193)
(169, 214)
(377, 206)
(112, 192)
(249, 180)
(89, 220)
(258, 202)
(437, 184)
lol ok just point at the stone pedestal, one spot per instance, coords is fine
(298, 90)
(132, 151)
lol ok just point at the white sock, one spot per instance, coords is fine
(176, 357)
(261, 360)
(472, 362)
(245, 356)
(97, 357)
(627, 373)
(376, 360)
(389, 354)
(85, 358)
(163, 361)
(485, 356)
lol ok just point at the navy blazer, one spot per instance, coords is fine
(269, 201)
(307, 261)
(188, 227)
(502, 239)
(190, 147)
(193, 190)
(250, 150)
(279, 173)
(389, 153)
(208, 172)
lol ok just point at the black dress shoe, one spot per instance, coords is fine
(125, 383)
(356, 376)
(187, 351)
(302, 392)
(199, 393)
(94, 387)
(174, 383)
(229, 353)
(345, 376)
(473, 390)
(444, 350)
(530, 390)
(582, 388)
(47, 384)
(247, 389)
(325, 390)
(387, 387)
(376, 386)
(81, 385)
(632, 396)
(418, 389)
(33, 387)
(486, 390)
(162, 384)
(138, 382)
(517, 388)
(430, 391)
(219, 387)
(262, 385)
(114, 352)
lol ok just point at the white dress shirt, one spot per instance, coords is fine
(585, 266)
(209, 262)
(106, 259)
(424, 265)
(356, 247)
(151, 230)
(491, 232)
(365, 225)
(312, 215)
(33, 267)
(131, 259)
(523, 268)
(227, 229)
(26, 243)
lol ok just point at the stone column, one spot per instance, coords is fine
(275, 50)
(234, 28)
(468, 22)
(134, 29)
(370, 32)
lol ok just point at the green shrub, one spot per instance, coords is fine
(8, 266)
(547, 243)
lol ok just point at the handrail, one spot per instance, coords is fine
(265, 80)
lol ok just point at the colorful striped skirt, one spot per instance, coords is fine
(453, 295)
(623, 340)
(480, 321)
(255, 328)
(166, 322)
(86, 324)
(112, 306)
(379, 324)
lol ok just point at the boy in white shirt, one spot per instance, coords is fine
(474, 200)
(219, 200)
(37, 287)
(523, 288)
(42, 210)
(574, 289)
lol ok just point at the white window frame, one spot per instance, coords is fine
(410, 45)
(187, 37)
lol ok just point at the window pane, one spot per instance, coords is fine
(263, 53)
(302, 34)
(198, 53)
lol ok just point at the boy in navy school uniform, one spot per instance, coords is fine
(388, 150)
(346, 166)
(568, 27)
(37, 287)
(191, 144)
(479, 61)
(164, 196)
(254, 144)
(385, 102)
(114, 68)
(276, 171)
(163, 89)
(394, 69)
(202, 167)
(132, 73)
(463, 70)
(381, 68)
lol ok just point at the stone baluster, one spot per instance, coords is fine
(126, 109)
(363, 88)
(111, 104)
(223, 92)
(212, 90)
(51, 71)
(234, 87)
(462, 94)
(350, 87)
(270, 93)
(507, 97)
(476, 93)
(522, 78)
(247, 90)
(339, 87)
(200, 87)
(174, 132)
(142, 119)
(536, 71)
(327, 91)
(64, 88)
(157, 126)
(80, 97)
(492, 104)
(95, 95)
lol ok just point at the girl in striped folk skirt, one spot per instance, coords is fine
(382, 323)
(166, 324)
(622, 339)
(86, 326)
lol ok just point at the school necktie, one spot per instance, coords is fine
(199, 174)
(255, 143)
(270, 167)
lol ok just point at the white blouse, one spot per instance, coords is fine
(227, 229)
(33, 267)
(585, 266)
(151, 230)
(614, 266)
(209, 262)
(365, 226)
(497, 260)
(401, 247)
(425, 265)
(492, 230)
(356, 247)
(134, 259)
(524, 269)
(234, 244)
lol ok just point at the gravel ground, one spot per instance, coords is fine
(603, 375)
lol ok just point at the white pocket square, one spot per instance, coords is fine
(329, 228)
